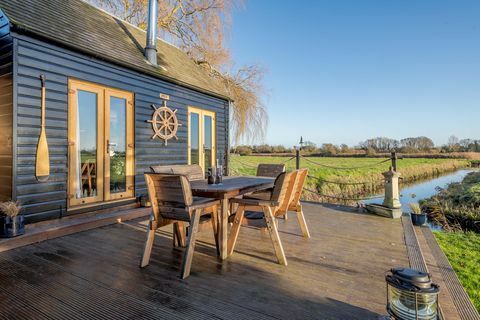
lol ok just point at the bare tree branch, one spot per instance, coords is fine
(199, 27)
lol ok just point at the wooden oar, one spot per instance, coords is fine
(42, 165)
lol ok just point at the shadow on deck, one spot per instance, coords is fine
(337, 274)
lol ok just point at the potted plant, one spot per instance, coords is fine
(11, 222)
(418, 217)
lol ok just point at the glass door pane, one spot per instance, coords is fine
(86, 145)
(116, 145)
(194, 138)
(201, 136)
(85, 134)
(208, 142)
(119, 150)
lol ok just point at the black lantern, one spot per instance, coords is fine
(411, 295)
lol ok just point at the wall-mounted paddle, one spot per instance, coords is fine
(42, 164)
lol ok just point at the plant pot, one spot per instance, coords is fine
(419, 219)
(11, 227)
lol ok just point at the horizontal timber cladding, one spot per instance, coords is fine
(33, 57)
(6, 110)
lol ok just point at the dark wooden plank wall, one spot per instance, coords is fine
(33, 57)
(6, 114)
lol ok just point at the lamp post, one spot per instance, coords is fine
(411, 295)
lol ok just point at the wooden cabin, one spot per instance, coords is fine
(102, 93)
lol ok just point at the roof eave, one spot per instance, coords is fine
(18, 28)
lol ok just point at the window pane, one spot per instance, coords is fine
(86, 147)
(208, 141)
(194, 139)
(117, 145)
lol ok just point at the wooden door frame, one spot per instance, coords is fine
(201, 153)
(129, 145)
(73, 87)
(103, 127)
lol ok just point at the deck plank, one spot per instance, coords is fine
(336, 274)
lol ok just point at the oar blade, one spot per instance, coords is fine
(42, 164)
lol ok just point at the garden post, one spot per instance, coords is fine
(297, 157)
(394, 161)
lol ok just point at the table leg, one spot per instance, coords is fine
(223, 229)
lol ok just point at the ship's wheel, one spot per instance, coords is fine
(164, 123)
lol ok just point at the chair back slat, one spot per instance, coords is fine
(270, 170)
(192, 171)
(282, 189)
(298, 188)
(170, 195)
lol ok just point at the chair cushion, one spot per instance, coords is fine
(253, 215)
(251, 219)
(260, 195)
(202, 200)
(162, 169)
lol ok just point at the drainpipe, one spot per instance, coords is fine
(151, 46)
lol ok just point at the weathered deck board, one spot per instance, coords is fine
(337, 274)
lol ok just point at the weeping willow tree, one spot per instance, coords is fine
(199, 27)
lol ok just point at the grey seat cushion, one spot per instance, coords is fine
(249, 215)
(260, 195)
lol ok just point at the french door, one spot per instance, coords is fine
(100, 144)
(201, 137)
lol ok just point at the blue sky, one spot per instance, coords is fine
(343, 71)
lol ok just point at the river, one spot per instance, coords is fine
(417, 191)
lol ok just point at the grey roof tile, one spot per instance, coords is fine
(81, 26)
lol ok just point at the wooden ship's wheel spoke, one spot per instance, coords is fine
(164, 123)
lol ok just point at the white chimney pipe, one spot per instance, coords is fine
(151, 47)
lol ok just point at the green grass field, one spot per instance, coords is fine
(463, 252)
(370, 173)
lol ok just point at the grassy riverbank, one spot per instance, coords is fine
(367, 177)
(457, 207)
(463, 252)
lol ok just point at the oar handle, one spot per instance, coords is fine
(43, 80)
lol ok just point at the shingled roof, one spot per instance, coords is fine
(83, 27)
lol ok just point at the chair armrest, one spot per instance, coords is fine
(255, 202)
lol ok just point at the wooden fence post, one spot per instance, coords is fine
(297, 157)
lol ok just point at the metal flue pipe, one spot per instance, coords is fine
(151, 45)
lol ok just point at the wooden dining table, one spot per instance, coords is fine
(230, 187)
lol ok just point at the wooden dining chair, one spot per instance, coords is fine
(172, 202)
(294, 204)
(266, 170)
(192, 171)
(262, 213)
(270, 170)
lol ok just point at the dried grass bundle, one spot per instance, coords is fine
(10, 208)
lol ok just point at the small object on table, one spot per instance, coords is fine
(219, 178)
(212, 175)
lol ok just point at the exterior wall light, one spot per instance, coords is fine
(411, 295)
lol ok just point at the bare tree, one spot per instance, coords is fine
(453, 143)
(199, 28)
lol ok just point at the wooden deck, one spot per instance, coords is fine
(337, 274)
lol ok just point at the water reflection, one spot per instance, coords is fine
(415, 192)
